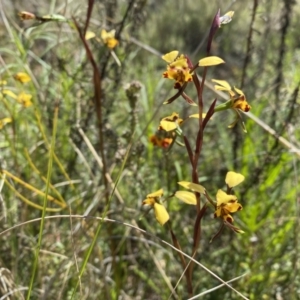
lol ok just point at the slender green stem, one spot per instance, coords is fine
(99, 227)
(39, 243)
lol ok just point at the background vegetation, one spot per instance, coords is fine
(54, 146)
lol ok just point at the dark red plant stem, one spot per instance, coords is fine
(183, 261)
(249, 43)
(189, 149)
(98, 105)
(213, 29)
(88, 16)
(118, 34)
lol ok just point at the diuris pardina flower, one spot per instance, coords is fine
(22, 98)
(227, 203)
(108, 38)
(22, 77)
(165, 134)
(167, 131)
(161, 213)
(178, 68)
(236, 102)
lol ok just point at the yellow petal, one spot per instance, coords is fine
(112, 43)
(228, 218)
(24, 99)
(168, 126)
(109, 38)
(180, 63)
(223, 198)
(149, 201)
(223, 83)
(89, 35)
(161, 213)
(229, 13)
(218, 212)
(210, 61)
(174, 117)
(9, 93)
(221, 88)
(233, 179)
(232, 207)
(240, 92)
(192, 186)
(225, 19)
(171, 56)
(107, 35)
(241, 103)
(156, 194)
(22, 77)
(4, 121)
(196, 116)
(186, 197)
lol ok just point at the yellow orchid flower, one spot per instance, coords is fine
(160, 211)
(109, 39)
(226, 204)
(22, 77)
(236, 102)
(178, 68)
(24, 99)
(237, 97)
